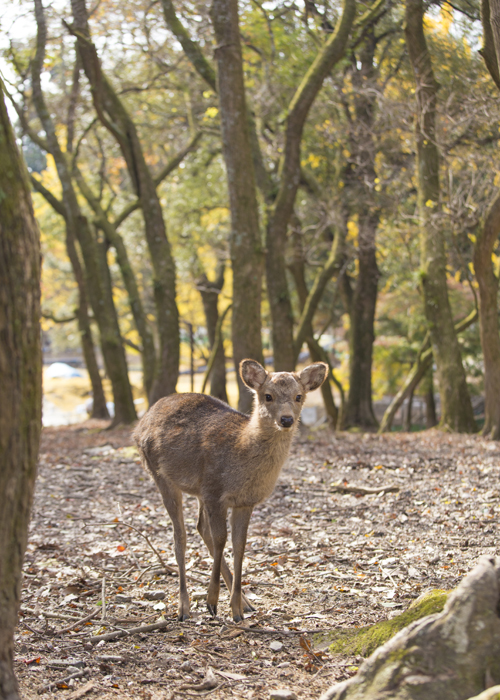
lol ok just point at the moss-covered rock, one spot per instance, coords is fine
(363, 641)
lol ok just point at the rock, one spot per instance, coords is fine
(154, 595)
(276, 646)
(186, 666)
(452, 655)
(282, 694)
(363, 641)
(119, 598)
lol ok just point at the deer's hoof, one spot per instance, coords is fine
(212, 609)
(183, 616)
(237, 618)
(248, 608)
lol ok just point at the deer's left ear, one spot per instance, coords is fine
(313, 376)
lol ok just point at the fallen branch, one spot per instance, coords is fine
(364, 490)
(78, 622)
(125, 633)
(61, 681)
(167, 568)
(80, 692)
(49, 615)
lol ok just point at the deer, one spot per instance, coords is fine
(198, 445)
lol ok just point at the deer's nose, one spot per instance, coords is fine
(287, 421)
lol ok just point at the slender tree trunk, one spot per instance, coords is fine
(281, 210)
(360, 192)
(456, 408)
(115, 118)
(100, 298)
(408, 414)
(21, 380)
(148, 352)
(209, 292)
(419, 370)
(430, 405)
(297, 269)
(245, 241)
(99, 408)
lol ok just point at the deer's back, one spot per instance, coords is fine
(189, 437)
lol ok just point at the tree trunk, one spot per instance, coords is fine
(280, 212)
(99, 408)
(407, 415)
(209, 292)
(21, 373)
(360, 194)
(430, 405)
(298, 271)
(116, 119)
(245, 241)
(101, 298)
(487, 238)
(456, 408)
(148, 352)
(422, 365)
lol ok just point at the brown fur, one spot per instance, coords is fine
(196, 444)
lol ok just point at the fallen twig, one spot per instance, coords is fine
(54, 684)
(50, 615)
(132, 630)
(80, 692)
(78, 622)
(364, 490)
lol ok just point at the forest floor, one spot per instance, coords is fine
(316, 559)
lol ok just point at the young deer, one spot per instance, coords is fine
(196, 444)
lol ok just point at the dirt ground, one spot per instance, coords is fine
(317, 558)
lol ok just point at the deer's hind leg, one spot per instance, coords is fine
(203, 528)
(172, 498)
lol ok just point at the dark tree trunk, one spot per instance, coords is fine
(360, 192)
(21, 379)
(408, 414)
(245, 241)
(209, 292)
(115, 118)
(456, 408)
(430, 405)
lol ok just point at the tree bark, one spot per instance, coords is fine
(148, 352)
(456, 408)
(280, 211)
(245, 241)
(487, 238)
(101, 298)
(209, 292)
(430, 405)
(360, 194)
(21, 373)
(298, 272)
(115, 118)
(99, 408)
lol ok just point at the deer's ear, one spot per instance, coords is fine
(253, 374)
(313, 376)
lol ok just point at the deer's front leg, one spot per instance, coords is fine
(218, 529)
(240, 518)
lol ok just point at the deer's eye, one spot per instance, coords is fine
(269, 397)
(298, 398)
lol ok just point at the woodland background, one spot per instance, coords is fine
(308, 227)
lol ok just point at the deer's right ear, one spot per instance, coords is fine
(253, 374)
